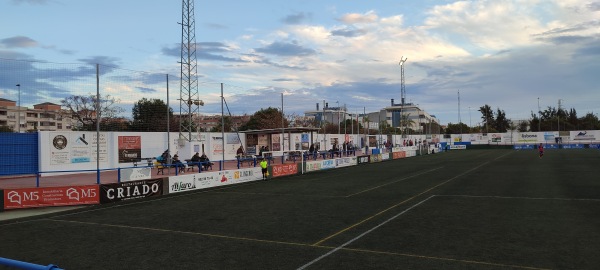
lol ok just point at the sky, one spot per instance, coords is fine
(509, 54)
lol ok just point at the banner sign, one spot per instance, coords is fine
(312, 166)
(376, 158)
(327, 164)
(285, 169)
(583, 135)
(363, 159)
(134, 174)
(50, 196)
(458, 147)
(203, 180)
(399, 154)
(130, 148)
(345, 162)
(110, 193)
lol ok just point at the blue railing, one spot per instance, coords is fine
(26, 265)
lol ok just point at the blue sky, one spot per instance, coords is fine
(503, 53)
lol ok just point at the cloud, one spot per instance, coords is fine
(286, 49)
(147, 90)
(216, 26)
(348, 32)
(206, 51)
(297, 18)
(594, 6)
(354, 18)
(18, 42)
(32, 2)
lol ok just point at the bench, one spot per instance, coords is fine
(248, 159)
(148, 162)
(160, 167)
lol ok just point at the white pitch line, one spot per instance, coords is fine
(361, 235)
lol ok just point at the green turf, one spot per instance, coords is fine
(470, 209)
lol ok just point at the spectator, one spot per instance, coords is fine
(240, 151)
(196, 159)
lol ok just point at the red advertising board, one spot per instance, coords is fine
(285, 169)
(50, 196)
(400, 154)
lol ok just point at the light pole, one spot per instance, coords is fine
(470, 120)
(338, 109)
(19, 109)
(539, 116)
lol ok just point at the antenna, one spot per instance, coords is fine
(402, 88)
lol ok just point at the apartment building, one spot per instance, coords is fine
(43, 117)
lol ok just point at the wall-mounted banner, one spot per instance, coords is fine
(327, 164)
(458, 147)
(363, 159)
(51, 196)
(376, 158)
(130, 148)
(583, 135)
(134, 174)
(285, 169)
(528, 137)
(312, 166)
(399, 154)
(345, 162)
(76, 147)
(203, 180)
(130, 190)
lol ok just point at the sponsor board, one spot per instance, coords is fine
(312, 166)
(399, 154)
(130, 190)
(458, 147)
(376, 158)
(528, 137)
(189, 182)
(363, 159)
(583, 135)
(327, 164)
(51, 196)
(385, 156)
(284, 169)
(134, 174)
(345, 162)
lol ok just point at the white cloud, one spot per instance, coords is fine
(353, 18)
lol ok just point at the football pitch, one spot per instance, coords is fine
(464, 209)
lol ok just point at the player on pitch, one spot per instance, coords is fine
(541, 150)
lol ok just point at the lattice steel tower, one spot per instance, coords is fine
(189, 102)
(402, 89)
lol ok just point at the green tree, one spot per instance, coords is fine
(487, 117)
(456, 128)
(228, 125)
(6, 129)
(150, 115)
(501, 124)
(268, 118)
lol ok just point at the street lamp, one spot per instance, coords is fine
(19, 108)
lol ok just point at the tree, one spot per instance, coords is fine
(83, 110)
(150, 115)
(6, 129)
(487, 117)
(501, 124)
(456, 128)
(269, 118)
(228, 125)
